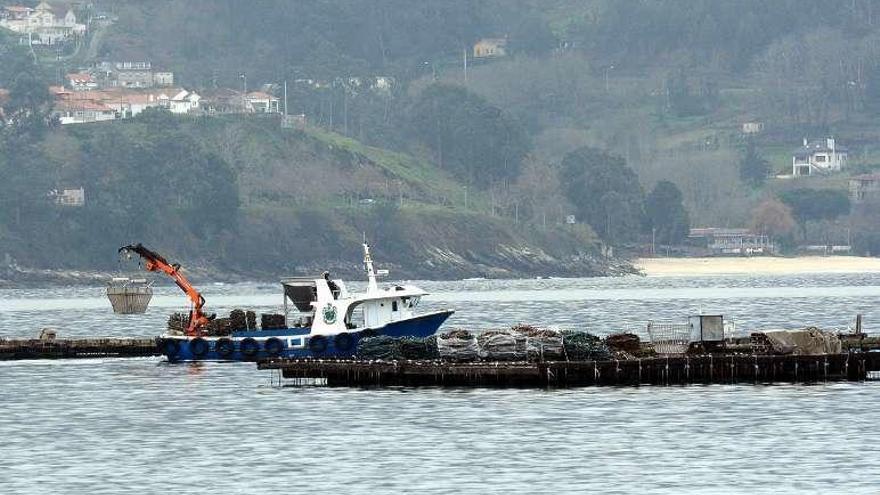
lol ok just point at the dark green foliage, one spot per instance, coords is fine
(29, 101)
(469, 136)
(532, 36)
(143, 182)
(872, 89)
(753, 168)
(723, 34)
(666, 214)
(684, 100)
(815, 204)
(605, 191)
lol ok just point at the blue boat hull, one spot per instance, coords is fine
(290, 342)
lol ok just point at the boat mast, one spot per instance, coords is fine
(372, 286)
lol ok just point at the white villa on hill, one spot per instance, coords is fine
(44, 24)
(821, 156)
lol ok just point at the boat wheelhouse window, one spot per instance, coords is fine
(301, 292)
(393, 305)
(355, 317)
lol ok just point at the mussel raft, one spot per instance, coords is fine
(739, 361)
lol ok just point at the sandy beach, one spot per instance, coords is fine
(659, 267)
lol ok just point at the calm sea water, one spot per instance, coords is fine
(144, 426)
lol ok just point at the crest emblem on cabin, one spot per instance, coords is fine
(329, 314)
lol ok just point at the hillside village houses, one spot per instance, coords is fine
(818, 157)
(130, 74)
(45, 24)
(78, 107)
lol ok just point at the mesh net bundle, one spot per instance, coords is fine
(381, 347)
(541, 343)
(458, 345)
(177, 323)
(583, 346)
(416, 348)
(626, 342)
(502, 345)
(270, 321)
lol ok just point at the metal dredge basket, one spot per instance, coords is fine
(669, 338)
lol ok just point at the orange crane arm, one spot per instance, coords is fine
(154, 262)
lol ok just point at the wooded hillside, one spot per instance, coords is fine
(605, 110)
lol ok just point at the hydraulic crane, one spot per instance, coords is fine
(154, 262)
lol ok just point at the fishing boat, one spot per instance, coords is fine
(322, 318)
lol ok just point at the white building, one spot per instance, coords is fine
(752, 127)
(818, 157)
(69, 197)
(81, 111)
(163, 78)
(44, 24)
(490, 47)
(81, 82)
(182, 102)
(723, 241)
(261, 102)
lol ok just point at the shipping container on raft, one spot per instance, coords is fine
(129, 296)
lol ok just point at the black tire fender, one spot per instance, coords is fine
(225, 347)
(318, 344)
(343, 342)
(249, 347)
(273, 346)
(170, 347)
(198, 347)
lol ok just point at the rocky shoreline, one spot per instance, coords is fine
(505, 263)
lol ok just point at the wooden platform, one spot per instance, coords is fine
(681, 370)
(76, 348)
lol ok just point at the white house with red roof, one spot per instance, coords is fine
(183, 102)
(80, 111)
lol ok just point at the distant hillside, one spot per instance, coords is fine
(243, 197)
(654, 91)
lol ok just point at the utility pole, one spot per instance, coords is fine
(606, 77)
(344, 110)
(244, 92)
(464, 62)
(285, 99)
(653, 239)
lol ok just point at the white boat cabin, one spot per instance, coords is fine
(328, 308)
